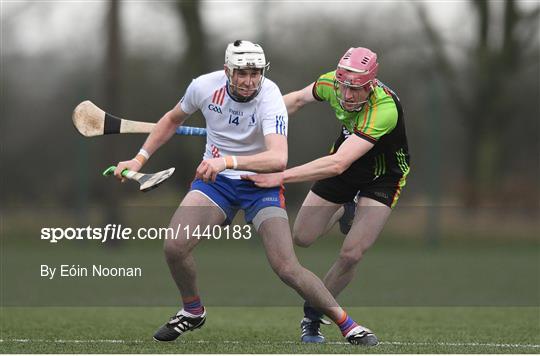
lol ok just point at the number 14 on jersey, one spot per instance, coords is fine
(234, 120)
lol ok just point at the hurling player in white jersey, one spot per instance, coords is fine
(246, 123)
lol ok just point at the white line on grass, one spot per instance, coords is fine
(60, 341)
(458, 344)
(397, 343)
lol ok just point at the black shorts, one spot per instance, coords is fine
(341, 189)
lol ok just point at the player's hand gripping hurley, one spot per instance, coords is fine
(148, 181)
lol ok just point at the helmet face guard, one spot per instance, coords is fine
(352, 97)
(234, 89)
(244, 55)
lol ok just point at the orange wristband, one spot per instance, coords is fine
(141, 159)
(229, 163)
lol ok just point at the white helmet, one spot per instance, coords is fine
(244, 55)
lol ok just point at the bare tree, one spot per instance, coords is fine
(113, 57)
(480, 88)
(111, 87)
(195, 60)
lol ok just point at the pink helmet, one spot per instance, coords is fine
(357, 67)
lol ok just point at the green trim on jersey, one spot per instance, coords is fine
(377, 118)
(402, 161)
(380, 166)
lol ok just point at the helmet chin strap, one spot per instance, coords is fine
(232, 89)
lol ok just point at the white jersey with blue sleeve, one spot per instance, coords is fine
(234, 128)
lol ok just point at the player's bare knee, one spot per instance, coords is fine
(170, 249)
(350, 258)
(175, 249)
(287, 271)
(302, 238)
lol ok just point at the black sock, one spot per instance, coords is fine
(311, 313)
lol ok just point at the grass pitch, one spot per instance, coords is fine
(463, 296)
(269, 330)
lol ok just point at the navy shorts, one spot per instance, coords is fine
(232, 195)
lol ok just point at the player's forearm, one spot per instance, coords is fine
(265, 162)
(324, 167)
(162, 132)
(297, 99)
(293, 101)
